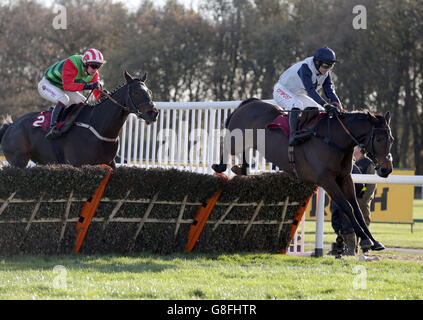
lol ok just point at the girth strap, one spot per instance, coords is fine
(94, 131)
(59, 156)
(291, 158)
(329, 142)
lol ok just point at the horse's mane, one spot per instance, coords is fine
(7, 119)
(111, 93)
(363, 115)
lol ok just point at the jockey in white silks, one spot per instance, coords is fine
(297, 88)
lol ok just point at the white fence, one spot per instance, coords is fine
(186, 136)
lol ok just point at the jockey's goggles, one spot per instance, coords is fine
(327, 65)
(94, 65)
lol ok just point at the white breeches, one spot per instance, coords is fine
(287, 100)
(55, 94)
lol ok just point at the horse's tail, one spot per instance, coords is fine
(241, 104)
(7, 121)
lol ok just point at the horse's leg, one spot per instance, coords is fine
(241, 170)
(244, 165)
(221, 167)
(336, 194)
(347, 186)
(16, 159)
(224, 154)
(15, 148)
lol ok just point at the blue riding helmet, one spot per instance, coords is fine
(325, 54)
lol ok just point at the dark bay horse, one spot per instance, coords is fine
(93, 140)
(325, 159)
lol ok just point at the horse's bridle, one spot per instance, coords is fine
(133, 108)
(130, 105)
(368, 147)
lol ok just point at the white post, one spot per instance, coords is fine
(141, 158)
(211, 141)
(147, 148)
(136, 133)
(173, 139)
(320, 220)
(130, 133)
(123, 144)
(161, 144)
(153, 145)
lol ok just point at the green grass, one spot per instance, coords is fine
(418, 209)
(196, 276)
(223, 276)
(391, 235)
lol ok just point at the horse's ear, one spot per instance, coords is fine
(388, 117)
(372, 118)
(128, 77)
(144, 77)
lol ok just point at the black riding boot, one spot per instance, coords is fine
(53, 132)
(295, 137)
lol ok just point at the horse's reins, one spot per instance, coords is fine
(112, 99)
(349, 133)
(128, 97)
(364, 147)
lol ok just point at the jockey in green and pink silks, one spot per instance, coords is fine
(63, 80)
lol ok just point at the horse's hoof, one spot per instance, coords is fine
(377, 246)
(366, 244)
(239, 171)
(219, 168)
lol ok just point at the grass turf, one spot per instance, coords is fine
(223, 276)
(211, 276)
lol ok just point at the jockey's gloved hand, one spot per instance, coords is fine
(92, 86)
(331, 109)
